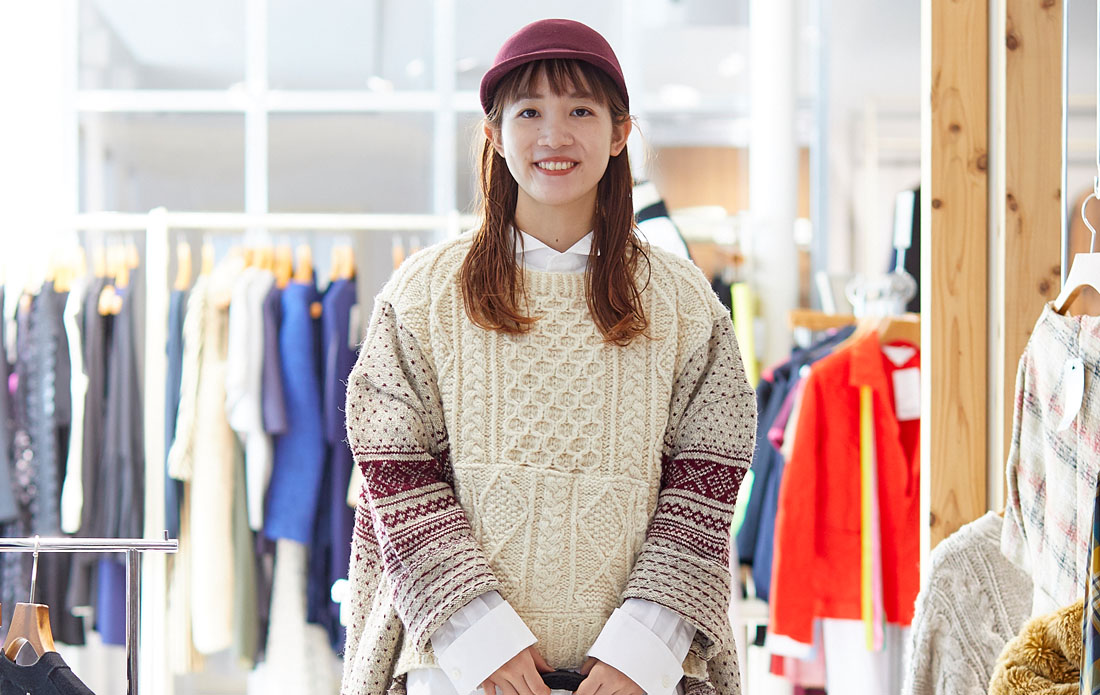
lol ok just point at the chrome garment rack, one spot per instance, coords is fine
(133, 549)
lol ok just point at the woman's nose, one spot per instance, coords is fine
(555, 134)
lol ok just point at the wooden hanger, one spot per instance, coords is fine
(819, 320)
(1085, 271)
(283, 265)
(336, 268)
(30, 623)
(303, 266)
(183, 266)
(904, 328)
(207, 261)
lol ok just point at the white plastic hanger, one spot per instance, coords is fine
(1085, 271)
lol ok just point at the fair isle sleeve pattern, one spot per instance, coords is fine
(429, 556)
(684, 562)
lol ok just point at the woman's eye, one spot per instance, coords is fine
(582, 111)
(528, 113)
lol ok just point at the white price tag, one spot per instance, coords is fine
(907, 394)
(355, 327)
(1073, 391)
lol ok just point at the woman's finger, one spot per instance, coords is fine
(588, 664)
(540, 661)
(590, 686)
(508, 688)
(535, 683)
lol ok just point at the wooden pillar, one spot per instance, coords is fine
(954, 263)
(1030, 117)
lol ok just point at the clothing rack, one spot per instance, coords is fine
(133, 549)
(156, 226)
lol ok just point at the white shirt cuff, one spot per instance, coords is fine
(486, 644)
(629, 646)
(781, 645)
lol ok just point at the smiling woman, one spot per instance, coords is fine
(557, 518)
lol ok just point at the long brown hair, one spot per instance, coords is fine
(492, 281)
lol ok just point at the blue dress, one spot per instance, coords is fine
(295, 487)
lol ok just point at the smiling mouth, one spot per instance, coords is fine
(555, 166)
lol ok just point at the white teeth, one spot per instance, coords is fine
(556, 166)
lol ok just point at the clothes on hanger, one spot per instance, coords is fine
(1044, 658)
(48, 675)
(295, 488)
(1054, 457)
(975, 602)
(819, 554)
(774, 395)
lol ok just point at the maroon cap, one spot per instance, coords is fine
(547, 39)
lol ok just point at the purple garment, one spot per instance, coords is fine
(779, 428)
(295, 487)
(332, 541)
(274, 402)
(110, 620)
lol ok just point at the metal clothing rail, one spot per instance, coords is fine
(133, 549)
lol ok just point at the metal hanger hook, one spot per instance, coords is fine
(1085, 219)
(34, 566)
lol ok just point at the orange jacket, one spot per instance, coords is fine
(816, 573)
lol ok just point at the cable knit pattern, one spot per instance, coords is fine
(975, 602)
(564, 472)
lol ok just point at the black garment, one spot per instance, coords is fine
(50, 675)
(8, 511)
(95, 330)
(122, 472)
(274, 400)
(756, 539)
(173, 489)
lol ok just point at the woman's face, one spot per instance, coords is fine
(557, 147)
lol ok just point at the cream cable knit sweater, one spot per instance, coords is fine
(975, 602)
(566, 473)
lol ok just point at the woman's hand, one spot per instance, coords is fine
(607, 679)
(519, 675)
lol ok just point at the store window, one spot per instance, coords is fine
(350, 162)
(342, 45)
(130, 44)
(133, 162)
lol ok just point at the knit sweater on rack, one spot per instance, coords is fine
(975, 602)
(566, 473)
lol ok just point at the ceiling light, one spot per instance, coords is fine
(466, 64)
(415, 68)
(679, 95)
(379, 84)
(732, 65)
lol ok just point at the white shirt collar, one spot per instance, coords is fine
(530, 243)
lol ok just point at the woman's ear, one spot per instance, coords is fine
(619, 135)
(493, 135)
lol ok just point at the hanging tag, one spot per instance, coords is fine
(355, 326)
(907, 394)
(1073, 391)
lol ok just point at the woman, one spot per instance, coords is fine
(552, 420)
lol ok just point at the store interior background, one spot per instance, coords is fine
(160, 92)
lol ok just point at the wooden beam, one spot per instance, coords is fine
(954, 262)
(1031, 140)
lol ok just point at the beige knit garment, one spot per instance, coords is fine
(556, 450)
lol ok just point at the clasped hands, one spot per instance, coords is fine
(521, 676)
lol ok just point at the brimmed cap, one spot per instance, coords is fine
(547, 39)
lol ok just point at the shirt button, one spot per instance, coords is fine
(456, 674)
(666, 682)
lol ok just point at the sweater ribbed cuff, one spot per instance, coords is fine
(698, 591)
(428, 594)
